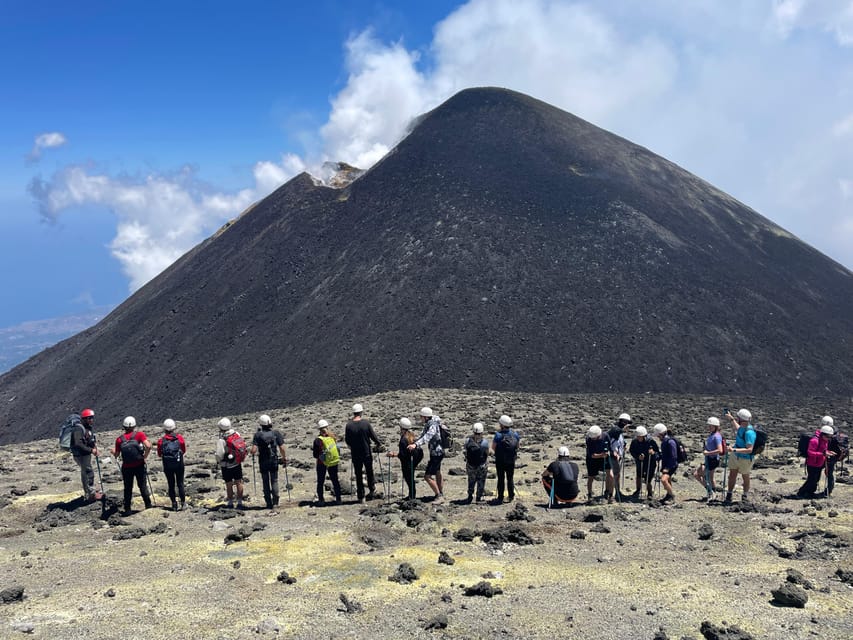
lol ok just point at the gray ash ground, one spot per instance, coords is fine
(71, 569)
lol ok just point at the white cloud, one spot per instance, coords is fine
(46, 141)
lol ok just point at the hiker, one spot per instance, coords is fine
(597, 452)
(230, 452)
(837, 445)
(328, 456)
(133, 447)
(563, 475)
(431, 436)
(617, 454)
(83, 447)
(171, 449)
(742, 460)
(668, 460)
(705, 472)
(505, 449)
(476, 453)
(817, 460)
(409, 459)
(358, 434)
(645, 452)
(268, 445)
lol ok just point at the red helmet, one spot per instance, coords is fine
(87, 413)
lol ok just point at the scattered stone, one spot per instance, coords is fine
(286, 578)
(844, 575)
(508, 533)
(446, 597)
(660, 634)
(236, 564)
(270, 625)
(484, 589)
(18, 492)
(796, 577)
(444, 558)
(23, 627)
(711, 631)
(577, 534)
(465, 534)
(350, 606)
(593, 516)
(238, 536)
(788, 595)
(833, 513)
(706, 531)
(14, 593)
(110, 593)
(160, 528)
(438, 622)
(519, 513)
(600, 527)
(130, 534)
(405, 574)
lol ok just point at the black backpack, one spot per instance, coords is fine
(507, 447)
(445, 437)
(803, 444)
(131, 450)
(843, 441)
(680, 451)
(475, 453)
(760, 441)
(170, 450)
(270, 450)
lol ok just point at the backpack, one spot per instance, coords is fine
(66, 429)
(330, 456)
(760, 441)
(131, 450)
(507, 447)
(445, 437)
(475, 453)
(170, 451)
(268, 439)
(235, 445)
(680, 451)
(843, 441)
(803, 444)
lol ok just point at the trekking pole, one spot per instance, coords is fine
(254, 478)
(389, 479)
(100, 480)
(551, 493)
(287, 484)
(150, 486)
(604, 476)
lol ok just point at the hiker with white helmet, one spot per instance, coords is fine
(741, 461)
(325, 451)
(705, 472)
(358, 435)
(668, 460)
(597, 452)
(171, 449)
(819, 456)
(431, 436)
(268, 445)
(133, 447)
(409, 459)
(645, 452)
(505, 449)
(231, 450)
(560, 479)
(475, 450)
(617, 455)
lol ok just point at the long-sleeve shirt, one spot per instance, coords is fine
(817, 451)
(357, 435)
(431, 435)
(668, 453)
(82, 441)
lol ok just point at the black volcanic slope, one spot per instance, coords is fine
(504, 244)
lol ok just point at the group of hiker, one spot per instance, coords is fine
(656, 457)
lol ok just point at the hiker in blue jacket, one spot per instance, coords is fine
(505, 449)
(668, 460)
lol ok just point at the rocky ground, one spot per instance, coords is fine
(772, 568)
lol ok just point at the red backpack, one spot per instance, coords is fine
(235, 445)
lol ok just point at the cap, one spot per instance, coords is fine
(713, 422)
(563, 452)
(659, 429)
(478, 427)
(169, 424)
(594, 432)
(426, 412)
(505, 421)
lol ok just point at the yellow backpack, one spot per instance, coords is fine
(330, 456)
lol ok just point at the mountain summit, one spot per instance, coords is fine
(504, 244)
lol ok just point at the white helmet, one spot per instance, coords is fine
(713, 422)
(264, 420)
(563, 452)
(322, 424)
(744, 415)
(129, 422)
(827, 420)
(625, 417)
(168, 424)
(478, 427)
(827, 430)
(659, 429)
(224, 424)
(357, 408)
(505, 421)
(426, 412)
(641, 431)
(594, 432)
(405, 423)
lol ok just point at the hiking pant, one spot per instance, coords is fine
(366, 464)
(407, 467)
(830, 474)
(812, 481)
(175, 475)
(128, 476)
(321, 481)
(269, 478)
(87, 474)
(505, 471)
(476, 477)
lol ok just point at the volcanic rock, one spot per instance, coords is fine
(788, 595)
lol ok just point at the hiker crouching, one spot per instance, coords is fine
(560, 479)
(133, 447)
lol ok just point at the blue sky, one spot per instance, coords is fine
(131, 131)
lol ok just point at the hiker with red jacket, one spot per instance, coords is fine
(230, 451)
(171, 449)
(133, 447)
(816, 461)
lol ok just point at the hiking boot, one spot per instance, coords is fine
(147, 504)
(712, 497)
(371, 495)
(744, 498)
(636, 494)
(240, 505)
(439, 499)
(229, 504)
(609, 499)
(361, 501)
(667, 498)
(480, 498)
(728, 499)
(320, 503)
(183, 505)
(469, 499)
(174, 506)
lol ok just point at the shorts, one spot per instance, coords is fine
(594, 466)
(669, 472)
(740, 465)
(232, 474)
(434, 465)
(712, 463)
